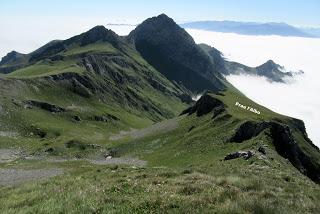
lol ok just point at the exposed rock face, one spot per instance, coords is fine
(287, 147)
(11, 57)
(217, 58)
(77, 118)
(14, 59)
(272, 71)
(281, 135)
(262, 150)
(248, 130)
(80, 145)
(284, 142)
(205, 105)
(173, 52)
(98, 33)
(105, 118)
(45, 106)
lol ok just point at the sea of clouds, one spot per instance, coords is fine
(299, 99)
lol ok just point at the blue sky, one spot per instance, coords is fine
(296, 12)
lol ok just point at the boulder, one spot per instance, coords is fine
(77, 118)
(244, 154)
(43, 105)
(262, 150)
(205, 105)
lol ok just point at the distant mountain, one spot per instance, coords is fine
(251, 28)
(12, 61)
(270, 70)
(314, 31)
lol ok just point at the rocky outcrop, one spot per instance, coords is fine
(12, 57)
(205, 105)
(287, 147)
(105, 118)
(248, 130)
(43, 105)
(284, 142)
(76, 144)
(244, 154)
(12, 61)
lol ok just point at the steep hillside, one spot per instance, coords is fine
(172, 51)
(224, 123)
(87, 84)
(101, 123)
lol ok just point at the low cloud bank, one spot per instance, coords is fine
(300, 98)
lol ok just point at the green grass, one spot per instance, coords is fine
(91, 48)
(185, 171)
(232, 95)
(45, 69)
(224, 188)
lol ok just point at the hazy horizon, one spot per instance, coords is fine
(27, 25)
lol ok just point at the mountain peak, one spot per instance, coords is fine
(270, 62)
(269, 65)
(98, 33)
(11, 56)
(172, 51)
(156, 25)
(163, 17)
(98, 29)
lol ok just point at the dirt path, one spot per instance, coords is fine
(17, 176)
(158, 128)
(7, 155)
(10, 177)
(107, 161)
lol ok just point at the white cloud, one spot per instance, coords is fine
(299, 99)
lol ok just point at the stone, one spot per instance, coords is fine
(245, 154)
(262, 150)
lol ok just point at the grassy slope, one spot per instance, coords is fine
(27, 84)
(69, 64)
(184, 173)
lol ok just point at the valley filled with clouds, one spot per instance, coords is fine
(300, 97)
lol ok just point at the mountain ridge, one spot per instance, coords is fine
(270, 70)
(251, 28)
(158, 35)
(102, 110)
